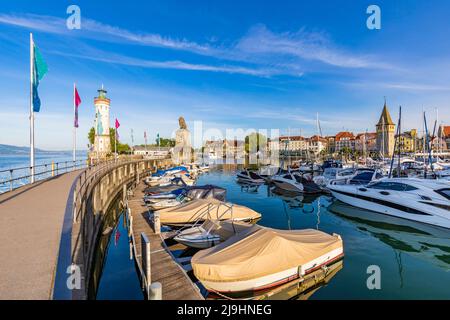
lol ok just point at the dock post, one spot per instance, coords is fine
(156, 223)
(11, 180)
(137, 176)
(155, 292)
(53, 168)
(145, 262)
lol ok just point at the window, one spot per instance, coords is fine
(395, 186)
(444, 192)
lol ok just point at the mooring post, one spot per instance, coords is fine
(155, 292)
(156, 223)
(146, 262)
(137, 176)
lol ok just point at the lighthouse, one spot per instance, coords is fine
(102, 143)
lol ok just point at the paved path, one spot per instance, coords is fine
(31, 219)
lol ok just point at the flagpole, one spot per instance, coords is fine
(115, 144)
(74, 127)
(31, 110)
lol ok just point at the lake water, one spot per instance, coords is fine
(13, 161)
(414, 259)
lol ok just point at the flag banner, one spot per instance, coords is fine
(39, 71)
(145, 135)
(117, 124)
(77, 101)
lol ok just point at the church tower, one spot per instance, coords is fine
(102, 144)
(385, 133)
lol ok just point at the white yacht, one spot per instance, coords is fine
(426, 201)
(296, 182)
(249, 177)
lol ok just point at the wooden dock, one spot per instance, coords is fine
(176, 284)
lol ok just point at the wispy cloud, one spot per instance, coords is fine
(174, 64)
(258, 45)
(301, 45)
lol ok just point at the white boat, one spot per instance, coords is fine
(361, 176)
(249, 176)
(212, 232)
(296, 182)
(265, 258)
(426, 201)
(333, 174)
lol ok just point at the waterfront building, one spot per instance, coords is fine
(344, 139)
(444, 137)
(294, 143)
(408, 141)
(385, 133)
(331, 144)
(219, 149)
(102, 143)
(316, 144)
(366, 141)
(152, 151)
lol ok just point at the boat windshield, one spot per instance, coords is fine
(298, 178)
(394, 186)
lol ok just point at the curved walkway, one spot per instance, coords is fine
(31, 219)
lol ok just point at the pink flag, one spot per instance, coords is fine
(77, 102)
(117, 124)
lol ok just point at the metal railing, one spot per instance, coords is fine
(13, 178)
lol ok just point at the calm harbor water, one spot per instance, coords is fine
(414, 259)
(13, 161)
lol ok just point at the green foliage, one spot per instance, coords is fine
(255, 141)
(166, 142)
(91, 136)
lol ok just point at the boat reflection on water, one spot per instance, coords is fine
(425, 242)
(294, 200)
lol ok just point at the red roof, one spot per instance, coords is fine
(292, 138)
(446, 131)
(344, 134)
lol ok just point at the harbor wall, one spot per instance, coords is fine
(92, 194)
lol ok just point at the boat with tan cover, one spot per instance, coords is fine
(205, 209)
(264, 259)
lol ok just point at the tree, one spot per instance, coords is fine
(91, 136)
(255, 141)
(166, 142)
(112, 139)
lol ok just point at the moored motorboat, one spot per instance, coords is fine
(249, 176)
(296, 182)
(212, 232)
(265, 258)
(422, 200)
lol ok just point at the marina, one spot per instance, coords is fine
(402, 248)
(224, 154)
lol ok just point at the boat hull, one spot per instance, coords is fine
(273, 280)
(356, 200)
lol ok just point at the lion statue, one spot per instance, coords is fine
(182, 123)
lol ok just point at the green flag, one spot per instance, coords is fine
(40, 69)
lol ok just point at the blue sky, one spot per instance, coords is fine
(247, 64)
